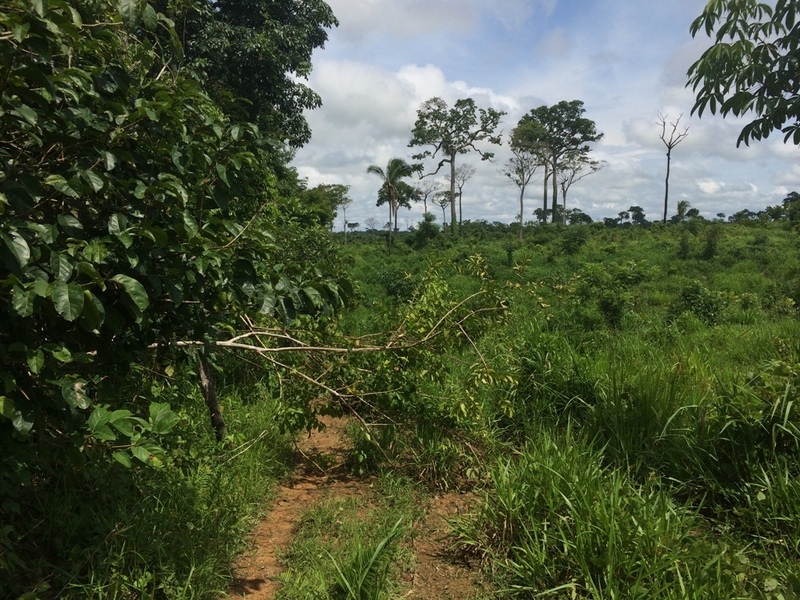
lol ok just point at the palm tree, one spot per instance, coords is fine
(395, 171)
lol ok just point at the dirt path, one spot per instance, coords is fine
(320, 471)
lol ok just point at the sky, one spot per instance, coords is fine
(625, 59)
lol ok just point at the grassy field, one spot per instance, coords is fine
(623, 401)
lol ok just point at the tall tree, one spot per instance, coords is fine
(560, 131)
(396, 170)
(752, 66)
(453, 131)
(520, 169)
(670, 142)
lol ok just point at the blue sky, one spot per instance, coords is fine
(625, 59)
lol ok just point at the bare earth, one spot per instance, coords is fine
(321, 472)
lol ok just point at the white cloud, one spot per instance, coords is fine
(627, 61)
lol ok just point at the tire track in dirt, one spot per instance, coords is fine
(321, 472)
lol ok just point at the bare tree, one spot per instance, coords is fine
(442, 200)
(426, 188)
(462, 175)
(372, 223)
(520, 169)
(674, 139)
(575, 168)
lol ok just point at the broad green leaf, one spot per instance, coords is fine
(36, 361)
(223, 174)
(42, 287)
(21, 424)
(93, 179)
(20, 30)
(62, 355)
(61, 185)
(40, 6)
(124, 426)
(7, 407)
(94, 314)
(120, 415)
(142, 454)
(134, 289)
(140, 190)
(22, 301)
(27, 113)
(190, 224)
(61, 266)
(162, 419)
(69, 222)
(68, 300)
(109, 160)
(18, 247)
(99, 417)
(130, 11)
(73, 392)
(150, 17)
(122, 458)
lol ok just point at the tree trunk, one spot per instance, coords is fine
(391, 202)
(544, 195)
(521, 210)
(210, 396)
(554, 170)
(666, 185)
(453, 194)
(460, 214)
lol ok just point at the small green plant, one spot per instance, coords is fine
(366, 576)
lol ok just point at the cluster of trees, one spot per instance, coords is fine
(555, 138)
(144, 206)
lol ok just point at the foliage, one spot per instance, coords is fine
(453, 131)
(252, 56)
(752, 66)
(396, 170)
(560, 135)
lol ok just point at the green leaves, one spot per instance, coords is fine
(134, 289)
(751, 66)
(18, 247)
(68, 300)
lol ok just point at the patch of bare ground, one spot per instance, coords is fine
(320, 472)
(439, 574)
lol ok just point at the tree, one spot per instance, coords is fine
(574, 168)
(751, 67)
(670, 142)
(396, 170)
(425, 189)
(253, 56)
(442, 200)
(453, 131)
(520, 169)
(463, 174)
(322, 202)
(371, 223)
(637, 215)
(558, 132)
(138, 224)
(405, 195)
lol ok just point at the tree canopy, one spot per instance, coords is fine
(559, 134)
(452, 131)
(135, 212)
(751, 67)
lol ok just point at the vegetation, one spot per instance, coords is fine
(622, 398)
(750, 67)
